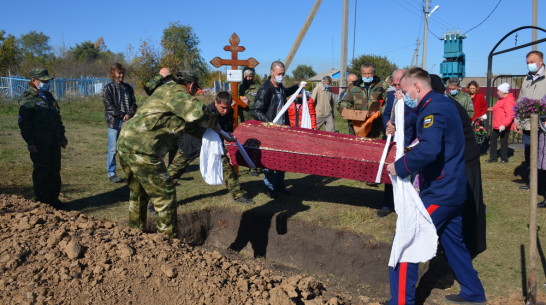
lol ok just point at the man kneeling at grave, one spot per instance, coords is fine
(190, 147)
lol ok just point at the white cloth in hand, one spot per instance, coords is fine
(212, 150)
(502, 128)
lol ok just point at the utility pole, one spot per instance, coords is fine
(424, 65)
(535, 22)
(343, 56)
(301, 35)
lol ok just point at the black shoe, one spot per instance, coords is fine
(503, 161)
(372, 184)
(116, 179)
(491, 161)
(383, 212)
(272, 194)
(541, 204)
(524, 187)
(456, 299)
(244, 200)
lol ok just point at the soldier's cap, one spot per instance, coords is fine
(40, 74)
(188, 76)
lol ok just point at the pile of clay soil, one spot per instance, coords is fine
(50, 256)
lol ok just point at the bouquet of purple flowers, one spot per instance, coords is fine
(526, 106)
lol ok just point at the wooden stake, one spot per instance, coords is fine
(532, 283)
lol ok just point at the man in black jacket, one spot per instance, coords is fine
(119, 106)
(269, 101)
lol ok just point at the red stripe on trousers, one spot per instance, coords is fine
(431, 208)
(402, 283)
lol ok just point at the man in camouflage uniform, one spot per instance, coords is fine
(145, 140)
(43, 130)
(454, 91)
(191, 147)
(248, 89)
(362, 94)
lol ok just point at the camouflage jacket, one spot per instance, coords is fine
(152, 84)
(359, 97)
(250, 92)
(39, 119)
(466, 101)
(167, 114)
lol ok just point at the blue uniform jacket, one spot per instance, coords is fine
(410, 118)
(439, 156)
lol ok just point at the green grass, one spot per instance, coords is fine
(335, 203)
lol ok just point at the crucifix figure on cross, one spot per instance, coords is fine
(234, 62)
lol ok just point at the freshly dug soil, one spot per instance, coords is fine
(50, 256)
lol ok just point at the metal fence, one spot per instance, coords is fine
(61, 88)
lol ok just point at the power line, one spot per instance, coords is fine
(485, 17)
(428, 28)
(399, 48)
(418, 13)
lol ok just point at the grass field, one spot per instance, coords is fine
(329, 202)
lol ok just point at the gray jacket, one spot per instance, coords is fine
(533, 89)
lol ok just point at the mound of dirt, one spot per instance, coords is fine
(50, 256)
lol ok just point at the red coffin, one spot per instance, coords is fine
(299, 150)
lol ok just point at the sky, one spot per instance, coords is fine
(268, 29)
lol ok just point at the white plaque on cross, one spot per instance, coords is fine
(234, 75)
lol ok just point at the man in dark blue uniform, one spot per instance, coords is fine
(439, 161)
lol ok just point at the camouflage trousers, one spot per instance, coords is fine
(231, 180)
(148, 180)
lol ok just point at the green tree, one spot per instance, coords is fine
(302, 72)
(10, 54)
(36, 44)
(86, 52)
(146, 63)
(36, 50)
(180, 50)
(383, 67)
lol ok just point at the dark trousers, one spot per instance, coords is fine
(504, 135)
(474, 228)
(46, 175)
(527, 146)
(350, 127)
(388, 197)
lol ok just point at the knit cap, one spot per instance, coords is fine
(504, 88)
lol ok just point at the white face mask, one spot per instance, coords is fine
(532, 67)
(43, 86)
(278, 79)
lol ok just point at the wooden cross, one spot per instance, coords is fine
(234, 62)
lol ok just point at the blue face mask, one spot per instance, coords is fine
(367, 79)
(326, 87)
(411, 103)
(453, 92)
(43, 86)
(532, 67)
